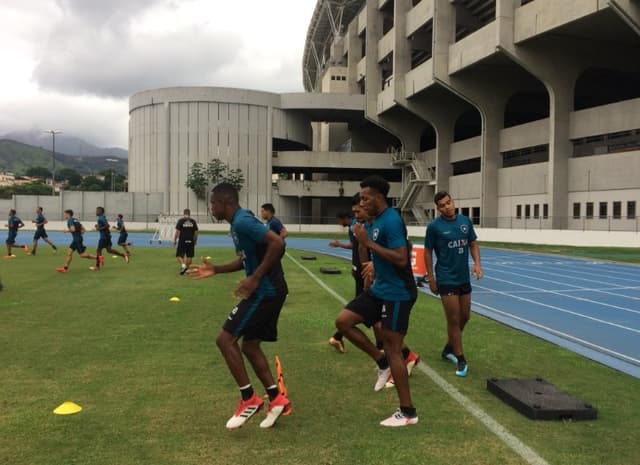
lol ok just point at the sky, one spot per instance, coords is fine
(71, 65)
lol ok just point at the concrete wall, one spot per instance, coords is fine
(134, 206)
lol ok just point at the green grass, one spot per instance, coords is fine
(620, 254)
(155, 390)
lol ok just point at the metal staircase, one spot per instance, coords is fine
(415, 175)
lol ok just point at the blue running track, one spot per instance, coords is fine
(590, 307)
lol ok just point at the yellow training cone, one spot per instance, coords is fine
(174, 299)
(67, 408)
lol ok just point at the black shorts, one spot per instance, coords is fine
(394, 314)
(454, 289)
(122, 238)
(11, 238)
(40, 234)
(256, 318)
(77, 245)
(105, 243)
(185, 249)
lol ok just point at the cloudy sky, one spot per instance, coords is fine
(72, 64)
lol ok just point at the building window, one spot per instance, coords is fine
(465, 211)
(536, 211)
(631, 210)
(457, 210)
(527, 211)
(545, 211)
(589, 209)
(602, 210)
(476, 215)
(333, 78)
(576, 210)
(617, 210)
(519, 212)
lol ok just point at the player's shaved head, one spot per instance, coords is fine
(226, 192)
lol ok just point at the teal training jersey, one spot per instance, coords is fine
(449, 240)
(77, 234)
(248, 236)
(14, 223)
(391, 283)
(103, 227)
(40, 222)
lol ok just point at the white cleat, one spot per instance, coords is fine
(278, 406)
(246, 409)
(383, 377)
(399, 419)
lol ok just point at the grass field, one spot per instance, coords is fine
(155, 390)
(619, 254)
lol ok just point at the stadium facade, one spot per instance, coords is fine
(527, 111)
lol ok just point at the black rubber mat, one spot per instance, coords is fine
(308, 257)
(329, 270)
(540, 400)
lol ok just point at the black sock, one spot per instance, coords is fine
(409, 412)
(246, 392)
(382, 362)
(447, 348)
(379, 345)
(405, 353)
(338, 336)
(66, 267)
(461, 358)
(273, 392)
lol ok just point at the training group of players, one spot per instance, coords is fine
(386, 289)
(77, 230)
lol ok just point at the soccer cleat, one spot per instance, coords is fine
(101, 261)
(25, 248)
(94, 268)
(383, 377)
(399, 419)
(183, 270)
(338, 344)
(278, 406)
(461, 369)
(62, 269)
(411, 361)
(447, 354)
(246, 409)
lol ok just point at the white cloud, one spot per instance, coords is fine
(75, 62)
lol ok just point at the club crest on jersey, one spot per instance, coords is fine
(376, 233)
(464, 228)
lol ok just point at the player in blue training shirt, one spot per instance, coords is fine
(77, 244)
(389, 299)
(452, 237)
(104, 242)
(267, 213)
(41, 232)
(13, 224)
(255, 318)
(124, 235)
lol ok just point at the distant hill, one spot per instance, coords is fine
(17, 157)
(65, 143)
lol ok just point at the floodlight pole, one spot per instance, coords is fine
(53, 133)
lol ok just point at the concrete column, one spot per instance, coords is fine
(354, 55)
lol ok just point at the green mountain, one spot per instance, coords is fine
(17, 157)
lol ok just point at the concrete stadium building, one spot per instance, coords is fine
(527, 111)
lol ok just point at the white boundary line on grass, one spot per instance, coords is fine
(512, 441)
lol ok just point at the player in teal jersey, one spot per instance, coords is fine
(41, 233)
(77, 243)
(123, 234)
(452, 238)
(102, 226)
(13, 224)
(255, 318)
(390, 298)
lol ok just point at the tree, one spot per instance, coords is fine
(33, 188)
(91, 183)
(71, 176)
(38, 172)
(113, 180)
(197, 180)
(216, 171)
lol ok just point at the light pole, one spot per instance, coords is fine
(146, 210)
(113, 173)
(53, 133)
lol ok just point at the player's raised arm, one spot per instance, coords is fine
(397, 256)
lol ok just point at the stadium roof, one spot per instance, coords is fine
(330, 18)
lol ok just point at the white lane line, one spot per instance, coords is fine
(508, 438)
(560, 333)
(578, 289)
(581, 299)
(565, 277)
(554, 307)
